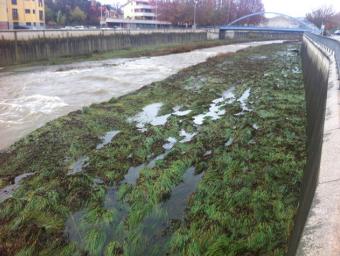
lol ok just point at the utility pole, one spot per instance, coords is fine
(156, 14)
(195, 6)
(101, 15)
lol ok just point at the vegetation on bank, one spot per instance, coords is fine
(243, 164)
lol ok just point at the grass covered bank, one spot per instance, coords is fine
(206, 162)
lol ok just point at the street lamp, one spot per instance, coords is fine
(195, 5)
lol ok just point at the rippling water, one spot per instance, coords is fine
(30, 97)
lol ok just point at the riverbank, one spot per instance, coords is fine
(222, 142)
(32, 96)
(147, 51)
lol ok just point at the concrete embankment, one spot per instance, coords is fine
(16, 50)
(317, 224)
(243, 35)
(17, 47)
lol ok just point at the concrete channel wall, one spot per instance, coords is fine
(317, 224)
(243, 35)
(23, 51)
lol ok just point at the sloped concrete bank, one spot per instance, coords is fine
(24, 51)
(317, 224)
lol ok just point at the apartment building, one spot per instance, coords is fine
(22, 14)
(139, 10)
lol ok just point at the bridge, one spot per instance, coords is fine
(290, 26)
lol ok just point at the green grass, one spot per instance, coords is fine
(244, 204)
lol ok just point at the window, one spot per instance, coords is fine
(33, 11)
(40, 3)
(34, 23)
(14, 2)
(41, 15)
(15, 14)
(28, 24)
(27, 11)
(42, 24)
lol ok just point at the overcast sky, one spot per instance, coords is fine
(296, 8)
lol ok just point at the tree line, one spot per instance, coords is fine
(178, 12)
(208, 12)
(326, 16)
(75, 12)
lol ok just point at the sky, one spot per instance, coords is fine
(295, 8)
(298, 8)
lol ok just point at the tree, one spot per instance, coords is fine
(322, 16)
(77, 16)
(209, 12)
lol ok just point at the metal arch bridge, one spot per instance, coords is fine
(304, 26)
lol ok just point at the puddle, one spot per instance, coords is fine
(179, 112)
(257, 57)
(229, 142)
(255, 127)
(107, 138)
(78, 166)
(215, 112)
(149, 115)
(8, 191)
(154, 228)
(77, 227)
(177, 203)
(244, 102)
(208, 153)
(133, 174)
(170, 143)
(187, 136)
(296, 70)
(82, 222)
(195, 83)
(244, 99)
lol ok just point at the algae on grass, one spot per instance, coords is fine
(249, 143)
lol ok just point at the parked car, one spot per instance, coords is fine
(337, 32)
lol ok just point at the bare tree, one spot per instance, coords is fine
(209, 12)
(322, 16)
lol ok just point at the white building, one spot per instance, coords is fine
(139, 10)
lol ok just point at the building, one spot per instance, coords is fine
(138, 14)
(139, 10)
(136, 24)
(22, 14)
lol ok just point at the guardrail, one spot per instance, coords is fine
(22, 35)
(330, 45)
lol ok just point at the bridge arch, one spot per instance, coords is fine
(303, 24)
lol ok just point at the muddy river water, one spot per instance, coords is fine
(30, 97)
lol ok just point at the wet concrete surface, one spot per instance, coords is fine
(30, 97)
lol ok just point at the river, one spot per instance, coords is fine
(30, 97)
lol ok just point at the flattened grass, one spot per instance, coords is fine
(244, 204)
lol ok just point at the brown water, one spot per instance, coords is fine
(30, 97)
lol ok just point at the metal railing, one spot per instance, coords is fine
(330, 44)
